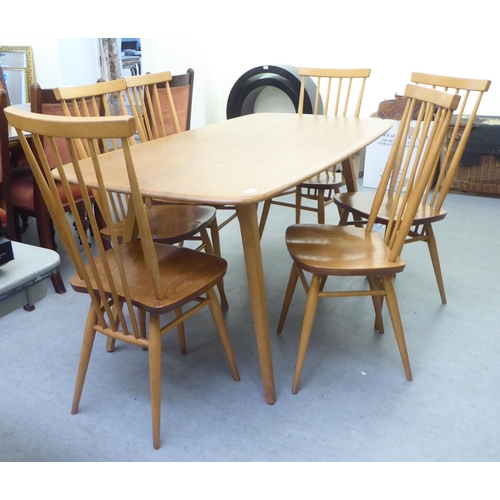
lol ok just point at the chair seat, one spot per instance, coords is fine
(340, 250)
(324, 180)
(184, 275)
(23, 197)
(172, 223)
(360, 204)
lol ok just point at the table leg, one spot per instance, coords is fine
(247, 215)
(349, 175)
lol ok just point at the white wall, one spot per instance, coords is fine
(222, 40)
(60, 61)
(393, 38)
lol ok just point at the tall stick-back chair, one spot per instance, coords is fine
(173, 223)
(132, 278)
(339, 92)
(431, 209)
(325, 250)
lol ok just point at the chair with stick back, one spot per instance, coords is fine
(431, 209)
(325, 250)
(173, 223)
(342, 91)
(133, 279)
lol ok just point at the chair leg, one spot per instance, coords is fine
(290, 289)
(141, 315)
(220, 324)
(155, 376)
(311, 304)
(263, 217)
(298, 204)
(180, 332)
(343, 218)
(431, 244)
(210, 249)
(83, 216)
(377, 305)
(58, 283)
(322, 283)
(45, 236)
(110, 344)
(392, 305)
(321, 206)
(339, 210)
(87, 344)
(214, 231)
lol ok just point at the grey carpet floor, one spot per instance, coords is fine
(354, 403)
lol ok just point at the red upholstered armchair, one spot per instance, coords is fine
(18, 181)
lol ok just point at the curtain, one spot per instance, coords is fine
(111, 64)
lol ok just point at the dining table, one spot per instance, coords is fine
(242, 162)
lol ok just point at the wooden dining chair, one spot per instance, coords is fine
(170, 223)
(431, 209)
(134, 279)
(23, 198)
(182, 88)
(153, 103)
(339, 92)
(173, 223)
(325, 250)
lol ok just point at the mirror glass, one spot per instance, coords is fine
(17, 67)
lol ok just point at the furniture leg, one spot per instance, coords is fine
(311, 304)
(87, 344)
(209, 249)
(321, 206)
(216, 312)
(247, 216)
(349, 175)
(180, 332)
(377, 305)
(214, 231)
(290, 289)
(298, 204)
(263, 216)
(155, 376)
(392, 305)
(431, 244)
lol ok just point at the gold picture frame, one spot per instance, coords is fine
(18, 70)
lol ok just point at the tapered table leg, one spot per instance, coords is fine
(247, 215)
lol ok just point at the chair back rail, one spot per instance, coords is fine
(349, 87)
(471, 92)
(152, 105)
(414, 164)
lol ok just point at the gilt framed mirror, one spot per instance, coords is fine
(18, 71)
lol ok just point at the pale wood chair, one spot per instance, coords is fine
(132, 278)
(342, 91)
(431, 209)
(326, 250)
(153, 103)
(169, 223)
